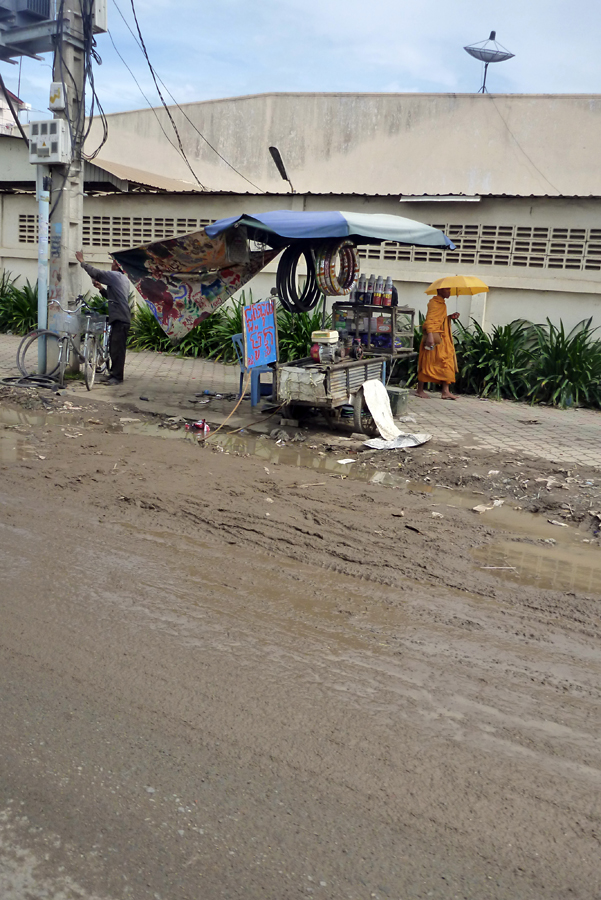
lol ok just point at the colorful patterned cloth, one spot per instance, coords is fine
(184, 279)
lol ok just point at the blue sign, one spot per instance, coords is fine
(260, 341)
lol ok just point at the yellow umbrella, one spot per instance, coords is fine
(458, 284)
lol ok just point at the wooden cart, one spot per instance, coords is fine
(386, 334)
(328, 387)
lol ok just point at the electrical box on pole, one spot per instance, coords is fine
(49, 142)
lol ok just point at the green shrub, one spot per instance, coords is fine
(567, 367)
(201, 341)
(405, 369)
(497, 364)
(294, 330)
(146, 333)
(225, 323)
(18, 306)
(97, 303)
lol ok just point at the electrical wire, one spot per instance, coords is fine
(78, 131)
(185, 115)
(529, 158)
(13, 110)
(175, 147)
(156, 84)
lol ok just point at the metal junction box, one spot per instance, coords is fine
(49, 142)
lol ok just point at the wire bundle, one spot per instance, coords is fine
(326, 258)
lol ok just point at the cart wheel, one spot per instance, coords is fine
(364, 423)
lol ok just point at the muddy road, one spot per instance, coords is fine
(222, 675)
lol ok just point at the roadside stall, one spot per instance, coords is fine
(184, 279)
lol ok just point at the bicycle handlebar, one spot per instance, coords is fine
(76, 309)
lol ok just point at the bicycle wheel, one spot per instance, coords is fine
(102, 356)
(63, 359)
(90, 352)
(27, 354)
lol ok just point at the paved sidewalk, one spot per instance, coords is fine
(169, 384)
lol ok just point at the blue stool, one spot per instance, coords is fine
(257, 389)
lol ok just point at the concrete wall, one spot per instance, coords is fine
(546, 283)
(372, 144)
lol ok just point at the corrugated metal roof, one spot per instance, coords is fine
(148, 179)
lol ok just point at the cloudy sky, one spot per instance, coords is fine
(204, 50)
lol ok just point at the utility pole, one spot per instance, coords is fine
(27, 28)
(66, 199)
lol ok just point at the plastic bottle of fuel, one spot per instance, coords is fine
(378, 290)
(387, 292)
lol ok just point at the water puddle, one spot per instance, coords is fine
(15, 434)
(559, 568)
(299, 455)
(565, 563)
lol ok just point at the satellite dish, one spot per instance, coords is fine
(488, 52)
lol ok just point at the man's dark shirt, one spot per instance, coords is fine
(117, 292)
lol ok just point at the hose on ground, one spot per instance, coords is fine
(42, 381)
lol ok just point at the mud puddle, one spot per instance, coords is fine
(543, 555)
(16, 442)
(303, 601)
(559, 568)
(299, 455)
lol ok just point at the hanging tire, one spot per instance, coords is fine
(364, 423)
(27, 354)
(90, 353)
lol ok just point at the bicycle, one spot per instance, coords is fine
(93, 351)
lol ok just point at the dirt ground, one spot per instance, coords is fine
(241, 668)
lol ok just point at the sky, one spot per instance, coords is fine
(206, 50)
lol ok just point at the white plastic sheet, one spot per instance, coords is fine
(378, 403)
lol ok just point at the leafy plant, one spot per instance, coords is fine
(146, 333)
(7, 283)
(18, 306)
(201, 341)
(227, 321)
(97, 303)
(405, 368)
(497, 364)
(294, 330)
(567, 367)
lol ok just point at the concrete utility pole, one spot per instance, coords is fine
(27, 28)
(66, 200)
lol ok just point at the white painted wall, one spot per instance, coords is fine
(514, 292)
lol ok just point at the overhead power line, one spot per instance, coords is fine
(175, 147)
(13, 111)
(154, 73)
(156, 84)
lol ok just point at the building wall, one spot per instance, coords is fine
(375, 144)
(541, 257)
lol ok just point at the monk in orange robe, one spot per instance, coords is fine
(437, 360)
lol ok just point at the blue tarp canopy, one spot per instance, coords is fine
(282, 226)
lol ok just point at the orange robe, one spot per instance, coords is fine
(440, 364)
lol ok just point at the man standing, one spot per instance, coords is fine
(117, 293)
(437, 361)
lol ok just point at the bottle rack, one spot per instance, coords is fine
(383, 330)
